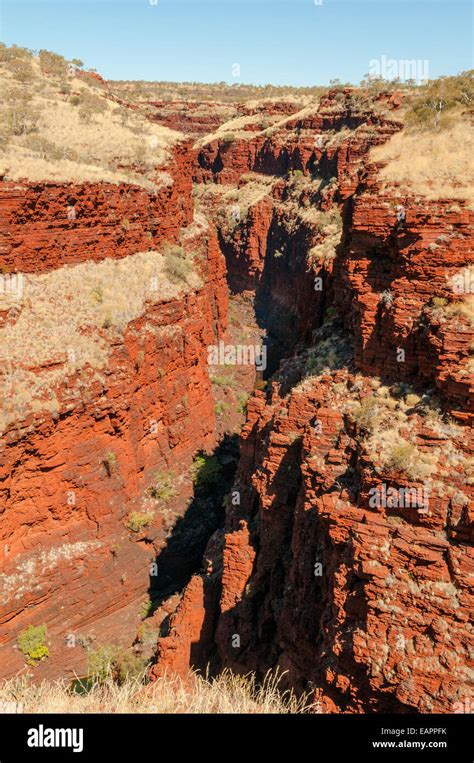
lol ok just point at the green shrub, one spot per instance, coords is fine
(242, 406)
(111, 459)
(205, 471)
(110, 661)
(97, 294)
(164, 488)
(146, 609)
(432, 104)
(138, 520)
(31, 642)
(219, 380)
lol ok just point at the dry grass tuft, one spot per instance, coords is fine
(228, 693)
(434, 164)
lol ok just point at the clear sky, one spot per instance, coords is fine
(289, 42)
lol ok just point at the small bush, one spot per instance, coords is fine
(111, 459)
(112, 662)
(164, 488)
(205, 471)
(386, 298)
(412, 400)
(22, 70)
(401, 457)
(32, 643)
(52, 63)
(97, 295)
(20, 118)
(44, 148)
(89, 104)
(146, 609)
(242, 406)
(368, 415)
(137, 520)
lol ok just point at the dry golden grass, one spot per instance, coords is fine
(464, 308)
(228, 693)
(215, 92)
(65, 129)
(233, 129)
(433, 164)
(390, 428)
(66, 318)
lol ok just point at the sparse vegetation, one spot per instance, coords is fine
(113, 292)
(438, 103)
(111, 663)
(205, 471)
(177, 264)
(407, 162)
(164, 487)
(146, 609)
(138, 520)
(32, 642)
(110, 460)
(79, 137)
(227, 693)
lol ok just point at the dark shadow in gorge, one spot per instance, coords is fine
(182, 555)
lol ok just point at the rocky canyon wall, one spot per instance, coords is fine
(342, 554)
(89, 429)
(363, 600)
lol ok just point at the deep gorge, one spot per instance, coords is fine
(251, 492)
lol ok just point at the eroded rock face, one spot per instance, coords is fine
(347, 546)
(347, 550)
(388, 282)
(47, 225)
(368, 605)
(74, 475)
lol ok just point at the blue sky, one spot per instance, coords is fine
(294, 42)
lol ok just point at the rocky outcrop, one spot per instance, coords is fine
(346, 552)
(388, 282)
(49, 224)
(80, 526)
(362, 599)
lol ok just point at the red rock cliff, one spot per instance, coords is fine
(364, 602)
